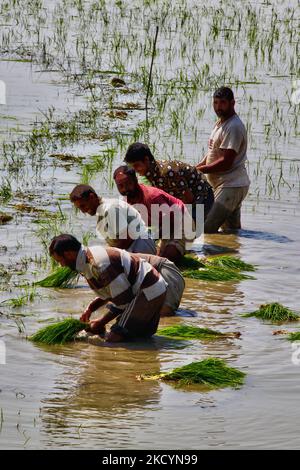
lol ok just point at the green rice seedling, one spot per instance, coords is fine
(5, 191)
(59, 333)
(211, 372)
(231, 262)
(294, 336)
(274, 312)
(193, 332)
(190, 262)
(215, 273)
(61, 277)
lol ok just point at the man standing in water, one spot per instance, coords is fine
(224, 164)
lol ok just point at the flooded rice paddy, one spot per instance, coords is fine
(63, 123)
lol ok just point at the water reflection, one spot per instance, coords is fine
(101, 392)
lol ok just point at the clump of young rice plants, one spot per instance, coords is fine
(230, 262)
(190, 262)
(215, 273)
(59, 333)
(188, 332)
(61, 277)
(217, 268)
(274, 312)
(294, 336)
(29, 296)
(211, 372)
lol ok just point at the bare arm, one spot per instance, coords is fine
(107, 317)
(92, 307)
(202, 162)
(223, 163)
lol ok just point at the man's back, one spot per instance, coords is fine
(117, 220)
(176, 177)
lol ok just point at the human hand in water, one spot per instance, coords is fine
(86, 315)
(96, 327)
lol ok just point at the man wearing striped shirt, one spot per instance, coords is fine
(133, 285)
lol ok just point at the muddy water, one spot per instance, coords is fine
(87, 395)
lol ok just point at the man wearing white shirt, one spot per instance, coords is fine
(224, 164)
(120, 224)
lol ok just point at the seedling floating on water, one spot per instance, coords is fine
(190, 262)
(59, 333)
(294, 336)
(215, 273)
(193, 332)
(231, 262)
(274, 312)
(211, 372)
(217, 268)
(61, 277)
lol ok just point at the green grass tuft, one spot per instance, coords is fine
(211, 372)
(190, 262)
(274, 312)
(189, 332)
(217, 268)
(61, 277)
(231, 262)
(295, 336)
(215, 273)
(59, 333)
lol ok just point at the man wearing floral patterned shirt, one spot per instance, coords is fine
(177, 178)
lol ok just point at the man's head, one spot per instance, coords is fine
(126, 181)
(139, 156)
(223, 102)
(64, 249)
(85, 198)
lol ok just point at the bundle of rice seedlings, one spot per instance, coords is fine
(190, 262)
(59, 333)
(294, 336)
(211, 372)
(230, 262)
(188, 332)
(193, 332)
(61, 277)
(274, 312)
(215, 273)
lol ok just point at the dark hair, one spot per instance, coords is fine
(81, 191)
(137, 152)
(62, 243)
(126, 170)
(224, 92)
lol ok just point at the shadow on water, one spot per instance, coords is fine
(184, 312)
(269, 236)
